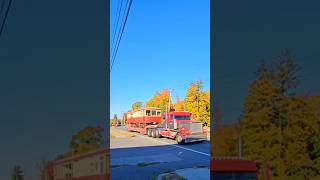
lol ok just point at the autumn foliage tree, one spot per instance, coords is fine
(160, 100)
(223, 137)
(223, 141)
(278, 126)
(198, 102)
(136, 105)
(86, 140)
(179, 105)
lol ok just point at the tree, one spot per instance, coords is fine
(17, 173)
(41, 167)
(160, 100)
(277, 125)
(59, 156)
(198, 102)
(115, 117)
(115, 120)
(136, 105)
(180, 104)
(87, 139)
(223, 140)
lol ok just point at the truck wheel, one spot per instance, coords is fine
(157, 133)
(153, 133)
(149, 132)
(179, 139)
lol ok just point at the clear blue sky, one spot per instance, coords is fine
(246, 32)
(166, 44)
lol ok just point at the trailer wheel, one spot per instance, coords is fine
(149, 132)
(179, 139)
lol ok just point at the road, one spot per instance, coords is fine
(141, 157)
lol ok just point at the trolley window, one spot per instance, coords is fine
(153, 113)
(148, 113)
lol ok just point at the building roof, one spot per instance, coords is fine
(81, 156)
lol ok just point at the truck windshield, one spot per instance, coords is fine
(182, 117)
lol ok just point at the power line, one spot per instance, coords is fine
(117, 47)
(119, 35)
(116, 22)
(5, 17)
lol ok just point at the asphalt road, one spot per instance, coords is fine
(141, 157)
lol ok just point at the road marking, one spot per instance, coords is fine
(172, 145)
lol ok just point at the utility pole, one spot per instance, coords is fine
(170, 99)
(239, 138)
(240, 147)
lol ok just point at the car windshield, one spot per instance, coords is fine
(182, 117)
(234, 175)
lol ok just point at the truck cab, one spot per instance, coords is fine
(180, 126)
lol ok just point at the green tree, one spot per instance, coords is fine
(17, 173)
(198, 102)
(115, 120)
(87, 139)
(136, 105)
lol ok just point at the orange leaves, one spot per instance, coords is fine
(160, 100)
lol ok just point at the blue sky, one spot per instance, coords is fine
(247, 32)
(166, 44)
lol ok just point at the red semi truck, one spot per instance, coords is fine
(176, 125)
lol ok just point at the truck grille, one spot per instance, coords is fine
(195, 127)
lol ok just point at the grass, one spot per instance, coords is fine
(115, 132)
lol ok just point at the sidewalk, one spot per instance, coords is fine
(186, 174)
